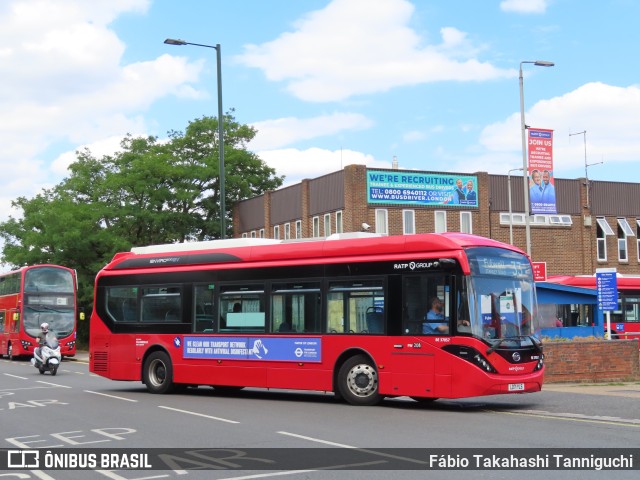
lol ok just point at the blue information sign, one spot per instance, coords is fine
(607, 288)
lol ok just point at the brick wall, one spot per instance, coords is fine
(592, 361)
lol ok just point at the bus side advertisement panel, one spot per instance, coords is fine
(275, 349)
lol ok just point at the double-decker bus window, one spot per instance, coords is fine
(295, 307)
(122, 303)
(10, 284)
(2, 318)
(632, 309)
(204, 307)
(49, 280)
(355, 306)
(426, 304)
(161, 304)
(242, 308)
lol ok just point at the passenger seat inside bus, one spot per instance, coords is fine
(375, 320)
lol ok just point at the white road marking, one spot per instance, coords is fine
(111, 396)
(16, 376)
(53, 384)
(342, 445)
(198, 414)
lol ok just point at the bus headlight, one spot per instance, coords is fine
(540, 364)
(26, 344)
(471, 355)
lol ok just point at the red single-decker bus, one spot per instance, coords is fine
(426, 316)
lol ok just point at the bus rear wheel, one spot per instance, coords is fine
(358, 381)
(157, 373)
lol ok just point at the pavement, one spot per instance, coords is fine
(613, 389)
(80, 356)
(616, 389)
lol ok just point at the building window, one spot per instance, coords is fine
(276, 232)
(253, 234)
(316, 226)
(339, 228)
(440, 217)
(298, 228)
(244, 235)
(466, 224)
(638, 236)
(624, 230)
(287, 231)
(261, 233)
(603, 230)
(382, 221)
(408, 222)
(327, 224)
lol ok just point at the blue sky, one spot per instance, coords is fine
(326, 83)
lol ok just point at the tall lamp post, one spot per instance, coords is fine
(523, 128)
(223, 210)
(509, 193)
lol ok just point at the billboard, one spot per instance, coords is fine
(542, 190)
(421, 188)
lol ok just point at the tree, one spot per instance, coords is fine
(150, 192)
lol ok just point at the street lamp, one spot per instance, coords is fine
(525, 175)
(509, 193)
(223, 211)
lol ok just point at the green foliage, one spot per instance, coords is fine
(150, 192)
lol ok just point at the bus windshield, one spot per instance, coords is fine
(501, 296)
(49, 297)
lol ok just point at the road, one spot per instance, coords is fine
(77, 409)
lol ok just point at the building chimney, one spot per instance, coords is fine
(394, 163)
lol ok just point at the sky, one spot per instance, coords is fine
(327, 83)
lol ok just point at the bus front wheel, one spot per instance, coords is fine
(157, 373)
(358, 381)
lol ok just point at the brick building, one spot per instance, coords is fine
(596, 225)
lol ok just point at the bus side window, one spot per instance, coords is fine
(204, 321)
(420, 294)
(356, 306)
(295, 307)
(242, 309)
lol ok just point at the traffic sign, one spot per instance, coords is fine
(607, 288)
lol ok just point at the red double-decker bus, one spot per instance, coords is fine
(427, 316)
(31, 296)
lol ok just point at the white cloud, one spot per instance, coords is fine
(64, 82)
(297, 165)
(281, 132)
(336, 57)
(608, 113)
(524, 6)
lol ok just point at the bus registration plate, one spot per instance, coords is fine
(516, 387)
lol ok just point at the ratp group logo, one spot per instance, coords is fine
(23, 459)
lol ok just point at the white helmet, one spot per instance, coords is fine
(44, 327)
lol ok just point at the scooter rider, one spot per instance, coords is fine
(42, 336)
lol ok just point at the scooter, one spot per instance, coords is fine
(47, 358)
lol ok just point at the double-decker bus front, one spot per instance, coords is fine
(48, 296)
